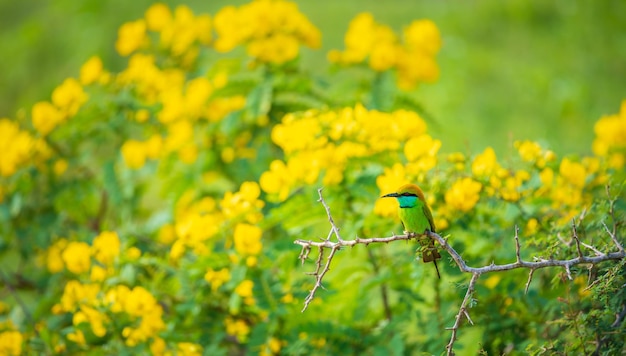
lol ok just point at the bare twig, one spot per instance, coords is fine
(462, 312)
(334, 228)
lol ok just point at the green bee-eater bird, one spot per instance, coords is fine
(417, 218)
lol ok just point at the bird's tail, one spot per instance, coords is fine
(437, 269)
(430, 253)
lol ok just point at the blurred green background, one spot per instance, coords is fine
(541, 70)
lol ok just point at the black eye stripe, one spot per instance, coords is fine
(408, 195)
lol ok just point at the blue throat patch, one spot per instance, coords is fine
(407, 201)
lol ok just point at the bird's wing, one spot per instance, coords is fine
(429, 216)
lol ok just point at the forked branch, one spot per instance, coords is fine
(322, 267)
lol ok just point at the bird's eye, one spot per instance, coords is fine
(408, 194)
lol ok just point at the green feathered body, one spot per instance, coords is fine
(416, 218)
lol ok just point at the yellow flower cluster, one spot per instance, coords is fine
(413, 57)
(182, 102)
(90, 304)
(76, 256)
(93, 72)
(18, 148)
(271, 30)
(238, 328)
(316, 142)
(610, 138)
(11, 342)
(180, 32)
(197, 222)
(67, 99)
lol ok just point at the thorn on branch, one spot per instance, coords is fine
(517, 248)
(575, 236)
(530, 278)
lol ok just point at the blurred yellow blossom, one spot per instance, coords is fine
(106, 247)
(271, 30)
(413, 57)
(77, 257)
(11, 343)
(17, 147)
(130, 37)
(60, 166)
(93, 317)
(188, 349)
(237, 328)
(244, 289)
(573, 172)
(610, 132)
(91, 71)
(485, 163)
(69, 97)
(54, 260)
(217, 278)
(248, 239)
(76, 294)
(158, 16)
(134, 154)
(46, 117)
(463, 194)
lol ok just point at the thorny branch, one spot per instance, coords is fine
(323, 267)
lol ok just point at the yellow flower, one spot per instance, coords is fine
(610, 132)
(276, 180)
(11, 343)
(423, 36)
(271, 30)
(60, 166)
(93, 317)
(244, 289)
(237, 328)
(463, 195)
(91, 71)
(69, 97)
(17, 147)
(140, 302)
(573, 172)
(158, 346)
(106, 247)
(217, 278)
(133, 253)
(75, 294)
(529, 151)
(485, 164)
(98, 274)
(248, 239)
(46, 117)
(134, 154)
(77, 337)
(130, 37)
(54, 260)
(188, 349)
(532, 226)
(158, 16)
(492, 281)
(77, 257)
(142, 115)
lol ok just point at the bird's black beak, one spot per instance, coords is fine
(391, 195)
